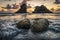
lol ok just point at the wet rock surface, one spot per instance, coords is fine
(40, 25)
(24, 24)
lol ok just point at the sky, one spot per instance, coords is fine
(33, 3)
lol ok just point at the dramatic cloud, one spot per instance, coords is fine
(48, 3)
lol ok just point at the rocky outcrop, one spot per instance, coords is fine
(24, 24)
(40, 25)
(41, 9)
(23, 9)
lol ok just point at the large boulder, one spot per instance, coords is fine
(40, 25)
(24, 24)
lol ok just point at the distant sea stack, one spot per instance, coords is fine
(23, 9)
(57, 1)
(41, 9)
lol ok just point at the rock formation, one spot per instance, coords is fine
(41, 9)
(24, 24)
(40, 25)
(23, 9)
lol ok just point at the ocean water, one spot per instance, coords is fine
(9, 31)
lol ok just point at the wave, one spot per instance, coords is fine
(8, 31)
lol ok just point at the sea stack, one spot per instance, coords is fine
(23, 7)
(41, 9)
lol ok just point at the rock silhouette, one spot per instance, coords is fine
(23, 9)
(41, 9)
(57, 2)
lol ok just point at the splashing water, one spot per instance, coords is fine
(8, 31)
